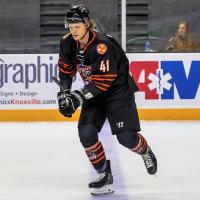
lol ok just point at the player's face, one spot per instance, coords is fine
(77, 30)
(182, 29)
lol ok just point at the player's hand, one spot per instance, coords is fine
(63, 103)
(69, 102)
(75, 99)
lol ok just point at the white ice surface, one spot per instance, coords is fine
(45, 161)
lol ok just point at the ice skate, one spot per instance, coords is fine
(150, 161)
(104, 184)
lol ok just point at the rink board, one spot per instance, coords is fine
(168, 86)
(54, 115)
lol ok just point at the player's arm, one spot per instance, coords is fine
(65, 65)
(66, 72)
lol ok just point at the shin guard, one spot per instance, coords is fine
(141, 147)
(97, 156)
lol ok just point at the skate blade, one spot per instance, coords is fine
(107, 189)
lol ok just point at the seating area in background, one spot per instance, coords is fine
(39, 30)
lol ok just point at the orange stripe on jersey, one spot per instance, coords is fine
(109, 81)
(100, 88)
(94, 36)
(72, 73)
(104, 75)
(101, 84)
(61, 60)
(63, 64)
(102, 79)
(69, 71)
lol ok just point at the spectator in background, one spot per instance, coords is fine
(183, 41)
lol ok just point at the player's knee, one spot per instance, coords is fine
(128, 139)
(88, 135)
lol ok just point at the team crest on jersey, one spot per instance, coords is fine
(85, 72)
(101, 48)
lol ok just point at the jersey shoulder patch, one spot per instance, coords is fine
(101, 48)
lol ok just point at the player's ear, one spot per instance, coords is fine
(87, 25)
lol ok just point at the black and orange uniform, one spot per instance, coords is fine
(109, 90)
(108, 93)
(102, 64)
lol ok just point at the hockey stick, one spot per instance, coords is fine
(58, 83)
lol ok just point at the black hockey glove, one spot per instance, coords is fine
(63, 102)
(69, 101)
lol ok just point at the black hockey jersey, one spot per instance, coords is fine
(102, 64)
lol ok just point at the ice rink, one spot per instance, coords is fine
(45, 161)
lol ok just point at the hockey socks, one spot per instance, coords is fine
(97, 156)
(147, 155)
(141, 147)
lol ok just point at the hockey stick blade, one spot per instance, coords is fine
(57, 82)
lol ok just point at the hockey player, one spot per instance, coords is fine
(108, 92)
